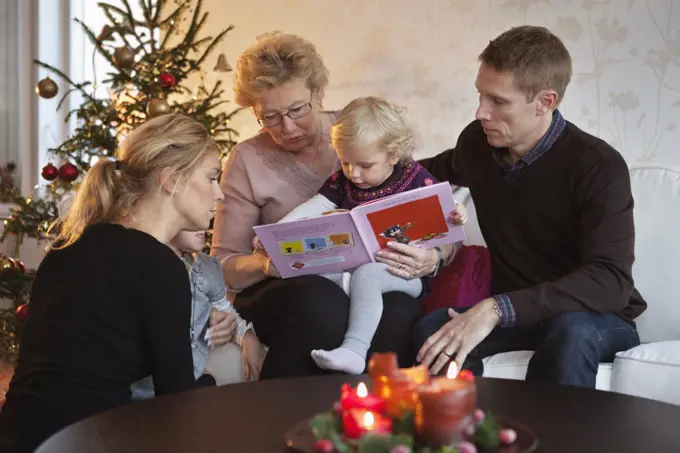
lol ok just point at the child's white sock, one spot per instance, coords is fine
(340, 359)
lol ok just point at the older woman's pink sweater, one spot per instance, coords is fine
(261, 183)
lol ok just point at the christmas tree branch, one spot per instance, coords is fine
(133, 29)
(146, 12)
(63, 76)
(120, 28)
(190, 35)
(212, 45)
(171, 21)
(63, 98)
(95, 41)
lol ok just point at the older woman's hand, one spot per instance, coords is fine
(408, 262)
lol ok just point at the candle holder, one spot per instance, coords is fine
(444, 411)
(397, 386)
(420, 415)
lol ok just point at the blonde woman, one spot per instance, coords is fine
(282, 78)
(374, 144)
(111, 302)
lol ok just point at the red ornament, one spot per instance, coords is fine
(68, 172)
(18, 265)
(167, 80)
(49, 172)
(22, 312)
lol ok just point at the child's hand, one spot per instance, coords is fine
(253, 355)
(222, 328)
(257, 246)
(460, 215)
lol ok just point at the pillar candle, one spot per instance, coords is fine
(397, 386)
(445, 408)
(359, 398)
(359, 422)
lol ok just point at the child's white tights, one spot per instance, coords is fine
(365, 286)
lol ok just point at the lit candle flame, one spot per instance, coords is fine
(362, 391)
(369, 420)
(452, 371)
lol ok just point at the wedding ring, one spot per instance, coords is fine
(402, 266)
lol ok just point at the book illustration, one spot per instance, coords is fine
(291, 248)
(429, 237)
(340, 240)
(397, 233)
(416, 221)
(315, 244)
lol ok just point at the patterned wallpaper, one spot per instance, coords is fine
(423, 55)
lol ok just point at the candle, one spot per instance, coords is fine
(359, 422)
(445, 408)
(359, 398)
(397, 386)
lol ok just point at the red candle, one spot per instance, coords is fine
(359, 422)
(445, 408)
(359, 398)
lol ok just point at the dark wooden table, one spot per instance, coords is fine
(253, 417)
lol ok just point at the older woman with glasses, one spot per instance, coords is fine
(282, 78)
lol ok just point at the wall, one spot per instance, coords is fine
(422, 54)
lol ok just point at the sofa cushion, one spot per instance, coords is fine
(463, 283)
(657, 247)
(513, 365)
(650, 370)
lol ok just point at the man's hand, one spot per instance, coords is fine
(222, 328)
(459, 336)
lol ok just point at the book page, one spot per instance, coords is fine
(329, 243)
(418, 218)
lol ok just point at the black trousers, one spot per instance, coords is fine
(297, 315)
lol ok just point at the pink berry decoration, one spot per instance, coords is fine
(478, 416)
(337, 407)
(469, 430)
(324, 446)
(400, 449)
(507, 436)
(466, 447)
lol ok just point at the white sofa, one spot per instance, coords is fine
(651, 370)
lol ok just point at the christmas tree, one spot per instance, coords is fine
(156, 57)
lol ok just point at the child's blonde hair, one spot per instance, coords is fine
(373, 121)
(111, 189)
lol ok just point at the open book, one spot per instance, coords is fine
(342, 240)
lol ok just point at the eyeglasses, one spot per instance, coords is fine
(293, 113)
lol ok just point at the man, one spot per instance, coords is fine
(555, 207)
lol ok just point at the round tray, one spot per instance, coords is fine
(301, 439)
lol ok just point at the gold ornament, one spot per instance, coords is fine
(124, 57)
(222, 64)
(47, 88)
(157, 107)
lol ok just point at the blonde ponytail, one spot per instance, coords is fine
(111, 190)
(93, 203)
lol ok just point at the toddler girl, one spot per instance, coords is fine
(374, 145)
(214, 321)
